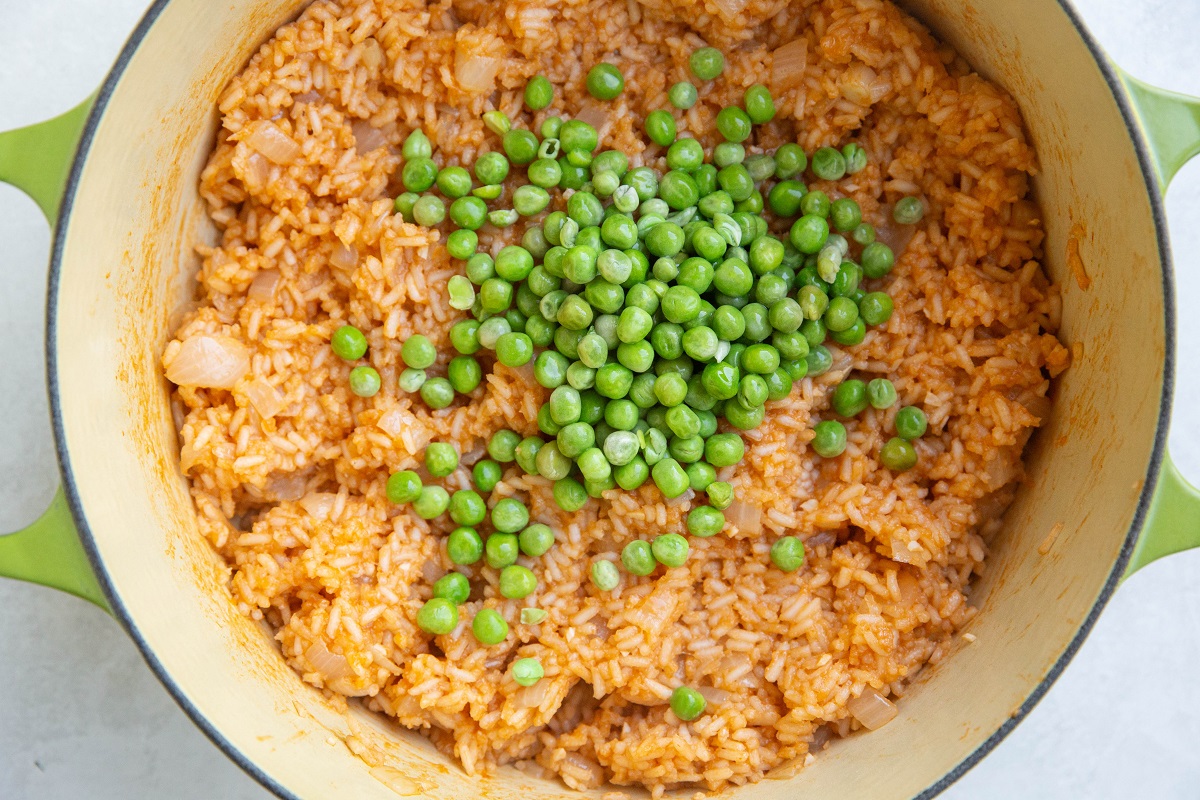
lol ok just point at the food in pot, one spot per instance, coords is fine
(624, 391)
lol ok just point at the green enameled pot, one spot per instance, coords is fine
(118, 176)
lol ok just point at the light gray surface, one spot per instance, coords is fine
(82, 717)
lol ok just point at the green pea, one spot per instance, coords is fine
(707, 63)
(605, 575)
(720, 494)
(678, 189)
(429, 211)
(632, 475)
(850, 398)
(536, 540)
(670, 478)
(881, 393)
(829, 440)
(575, 438)
(551, 463)
(816, 204)
(527, 671)
(856, 158)
(539, 93)
(453, 586)
(787, 553)
(845, 214)
(809, 233)
(828, 164)
(570, 495)
(660, 127)
(441, 459)
(790, 161)
(503, 445)
(877, 260)
(911, 423)
(638, 558)
(685, 154)
(908, 210)
(489, 627)
(486, 474)
(605, 82)
(898, 455)
(819, 360)
(365, 381)
(760, 106)
(670, 549)
(464, 546)
(454, 181)
(514, 349)
(705, 521)
(419, 174)
(517, 582)
(500, 550)
(348, 343)
(577, 135)
(850, 336)
(613, 381)
(404, 203)
(438, 616)
(431, 502)
(403, 487)
(841, 314)
(529, 200)
(416, 145)
(687, 703)
(682, 95)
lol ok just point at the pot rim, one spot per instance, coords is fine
(250, 767)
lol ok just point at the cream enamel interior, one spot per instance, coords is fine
(125, 265)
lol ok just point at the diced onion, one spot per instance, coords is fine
(746, 516)
(532, 696)
(289, 486)
(860, 84)
(872, 709)
(318, 504)
(210, 362)
(332, 667)
(266, 137)
(730, 8)
(367, 137)
(262, 288)
(475, 73)
(597, 116)
(787, 68)
(344, 257)
(714, 696)
(266, 399)
(257, 171)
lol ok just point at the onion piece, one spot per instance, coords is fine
(872, 709)
(318, 504)
(597, 116)
(862, 85)
(747, 517)
(475, 73)
(532, 696)
(266, 399)
(267, 138)
(367, 137)
(331, 667)
(714, 696)
(210, 362)
(787, 67)
(344, 257)
(730, 8)
(262, 288)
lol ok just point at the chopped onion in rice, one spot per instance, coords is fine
(597, 116)
(331, 667)
(787, 68)
(714, 696)
(266, 399)
(262, 288)
(367, 137)
(862, 85)
(746, 516)
(267, 138)
(344, 257)
(210, 362)
(257, 171)
(475, 73)
(532, 696)
(318, 504)
(730, 8)
(872, 709)
(471, 457)
(288, 486)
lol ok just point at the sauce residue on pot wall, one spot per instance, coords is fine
(1074, 261)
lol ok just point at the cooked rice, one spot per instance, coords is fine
(288, 468)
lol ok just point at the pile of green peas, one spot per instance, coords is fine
(512, 535)
(849, 399)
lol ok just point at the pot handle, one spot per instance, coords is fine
(37, 160)
(1170, 123)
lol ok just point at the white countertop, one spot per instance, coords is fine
(82, 717)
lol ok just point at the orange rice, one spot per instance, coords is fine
(288, 467)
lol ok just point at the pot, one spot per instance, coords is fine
(118, 177)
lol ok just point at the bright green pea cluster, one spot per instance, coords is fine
(851, 398)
